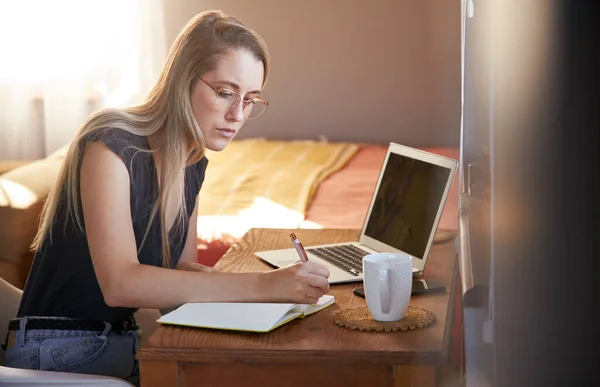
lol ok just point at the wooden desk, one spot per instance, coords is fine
(310, 351)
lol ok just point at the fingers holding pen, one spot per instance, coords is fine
(317, 269)
(313, 279)
(319, 281)
(310, 278)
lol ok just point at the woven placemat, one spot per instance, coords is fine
(442, 236)
(360, 318)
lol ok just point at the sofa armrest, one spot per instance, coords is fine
(9, 165)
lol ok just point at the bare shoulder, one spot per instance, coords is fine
(103, 179)
(98, 158)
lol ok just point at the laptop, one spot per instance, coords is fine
(403, 216)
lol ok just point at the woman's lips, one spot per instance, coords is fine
(227, 133)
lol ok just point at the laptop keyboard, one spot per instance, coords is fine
(346, 257)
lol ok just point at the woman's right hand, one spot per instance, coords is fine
(301, 283)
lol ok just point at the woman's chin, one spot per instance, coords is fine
(217, 144)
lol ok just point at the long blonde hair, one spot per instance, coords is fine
(166, 112)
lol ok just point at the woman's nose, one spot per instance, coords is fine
(236, 113)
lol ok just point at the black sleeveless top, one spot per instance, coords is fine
(62, 281)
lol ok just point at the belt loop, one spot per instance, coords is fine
(20, 334)
(107, 328)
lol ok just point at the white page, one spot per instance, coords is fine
(321, 304)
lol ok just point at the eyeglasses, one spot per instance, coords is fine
(226, 100)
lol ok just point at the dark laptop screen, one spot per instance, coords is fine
(406, 204)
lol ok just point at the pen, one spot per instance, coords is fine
(299, 248)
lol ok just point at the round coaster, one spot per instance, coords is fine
(360, 318)
(443, 236)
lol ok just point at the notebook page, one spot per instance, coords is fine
(323, 303)
(228, 315)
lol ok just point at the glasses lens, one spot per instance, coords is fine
(226, 99)
(255, 109)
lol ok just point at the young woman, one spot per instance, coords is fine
(119, 230)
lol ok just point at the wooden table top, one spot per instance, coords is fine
(317, 336)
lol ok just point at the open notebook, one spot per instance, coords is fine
(241, 316)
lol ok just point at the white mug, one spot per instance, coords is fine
(388, 285)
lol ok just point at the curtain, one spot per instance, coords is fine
(61, 60)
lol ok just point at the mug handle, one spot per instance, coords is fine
(384, 293)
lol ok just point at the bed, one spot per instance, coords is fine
(336, 190)
(253, 183)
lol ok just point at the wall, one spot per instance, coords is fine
(373, 71)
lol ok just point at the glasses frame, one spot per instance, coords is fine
(245, 102)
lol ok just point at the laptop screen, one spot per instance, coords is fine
(406, 204)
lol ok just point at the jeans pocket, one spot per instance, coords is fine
(72, 353)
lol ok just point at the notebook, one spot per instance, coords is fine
(405, 210)
(242, 316)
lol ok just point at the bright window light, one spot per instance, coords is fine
(50, 41)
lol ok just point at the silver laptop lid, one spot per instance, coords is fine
(408, 202)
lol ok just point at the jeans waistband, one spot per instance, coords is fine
(72, 324)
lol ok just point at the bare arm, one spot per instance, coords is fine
(125, 282)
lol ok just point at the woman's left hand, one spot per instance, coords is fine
(193, 266)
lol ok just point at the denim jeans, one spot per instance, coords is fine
(104, 352)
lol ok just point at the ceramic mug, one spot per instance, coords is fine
(388, 285)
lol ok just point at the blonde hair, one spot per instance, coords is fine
(166, 112)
